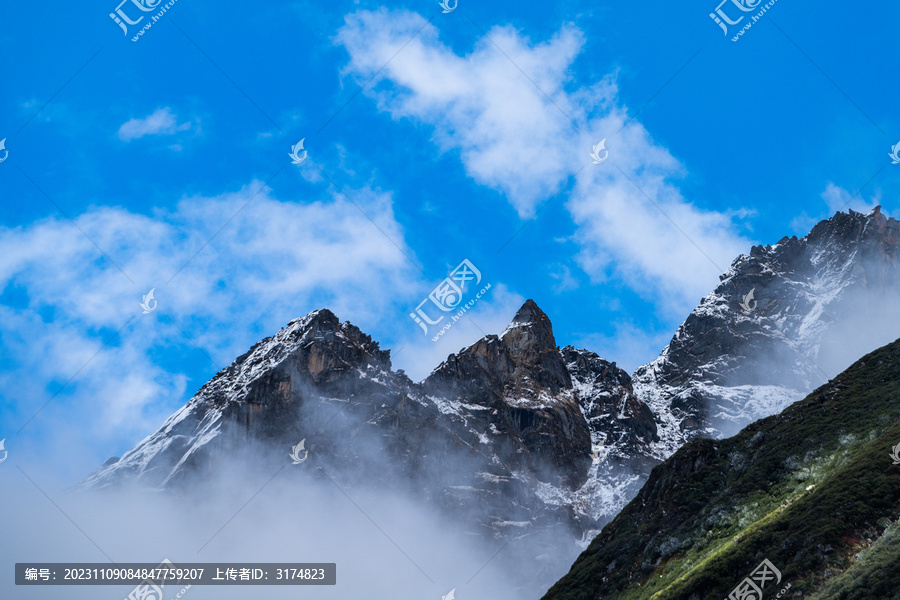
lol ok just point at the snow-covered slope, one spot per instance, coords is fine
(783, 320)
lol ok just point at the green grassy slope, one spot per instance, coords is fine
(812, 489)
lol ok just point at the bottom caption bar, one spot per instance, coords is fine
(167, 573)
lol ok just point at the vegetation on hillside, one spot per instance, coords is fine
(812, 489)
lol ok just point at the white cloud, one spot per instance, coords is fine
(161, 122)
(274, 261)
(836, 199)
(640, 228)
(521, 141)
(480, 103)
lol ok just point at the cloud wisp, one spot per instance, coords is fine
(70, 314)
(161, 122)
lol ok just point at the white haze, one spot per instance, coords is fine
(826, 326)
(350, 503)
(293, 519)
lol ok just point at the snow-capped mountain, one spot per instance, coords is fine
(783, 320)
(526, 426)
(518, 436)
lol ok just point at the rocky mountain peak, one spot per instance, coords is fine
(318, 345)
(783, 320)
(852, 226)
(529, 338)
(530, 318)
(523, 361)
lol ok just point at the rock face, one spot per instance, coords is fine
(520, 377)
(782, 320)
(622, 426)
(312, 363)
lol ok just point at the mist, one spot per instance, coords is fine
(399, 517)
(820, 331)
(384, 545)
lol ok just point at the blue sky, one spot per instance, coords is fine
(163, 163)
